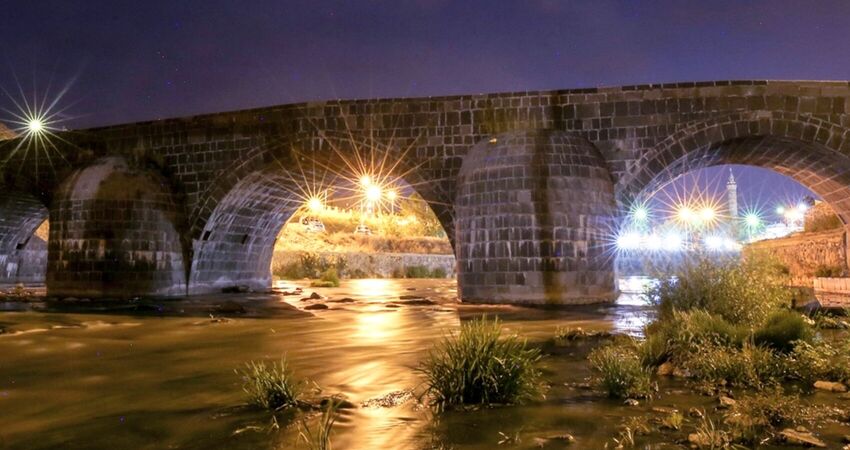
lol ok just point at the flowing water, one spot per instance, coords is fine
(161, 374)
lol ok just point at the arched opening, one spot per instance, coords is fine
(23, 239)
(714, 222)
(312, 202)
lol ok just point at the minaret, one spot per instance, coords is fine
(732, 196)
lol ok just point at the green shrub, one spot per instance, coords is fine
(621, 374)
(749, 366)
(741, 292)
(439, 272)
(330, 276)
(821, 360)
(652, 351)
(782, 329)
(480, 366)
(824, 271)
(686, 332)
(270, 386)
(416, 272)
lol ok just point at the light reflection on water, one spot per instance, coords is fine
(168, 379)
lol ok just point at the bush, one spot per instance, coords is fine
(685, 333)
(270, 386)
(820, 360)
(329, 279)
(621, 374)
(741, 292)
(416, 272)
(479, 366)
(749, 366)
(782, 329)
(824, 271)
(439, 272)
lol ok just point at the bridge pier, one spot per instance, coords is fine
(535, 213)
(114, 232)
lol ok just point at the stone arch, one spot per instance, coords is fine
(239, 219)
(23, 255)
(814, 152)
(534, 213)
(116, 231)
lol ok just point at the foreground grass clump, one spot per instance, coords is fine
(479, 366)
(620, 372)
(271, 386)
(782, 330)
(740, 292)
(329, 278)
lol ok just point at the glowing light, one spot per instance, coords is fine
(802, 207)
(373, 193)
(653, 242)
(672, 241)
(714, 242)
(35, 125)
(640, 213)
(629, 241)
(686, 214)
(315, 204)
(752, 220)
(391, 195)
(365, 181)
(780, 210)
(707, 214)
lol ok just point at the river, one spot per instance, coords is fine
(156, 375)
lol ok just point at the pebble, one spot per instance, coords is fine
(631, 402)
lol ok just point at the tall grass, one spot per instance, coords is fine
(270, 385)
(741, 292)
(479, 366)
(319, 438)
(620, 372)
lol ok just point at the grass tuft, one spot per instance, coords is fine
(621, 374)
(271, 386)
(479, 366)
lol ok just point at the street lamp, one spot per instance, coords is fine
(315, 204)
(35, 126)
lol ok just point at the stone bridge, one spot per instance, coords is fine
(529, 186)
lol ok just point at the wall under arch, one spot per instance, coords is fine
(23, 255)
(115, 231)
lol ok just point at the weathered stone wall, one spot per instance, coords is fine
(115, 231)
(382, 265)
(803, 253)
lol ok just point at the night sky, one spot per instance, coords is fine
(132, 60)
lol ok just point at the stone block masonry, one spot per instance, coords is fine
(529, 186)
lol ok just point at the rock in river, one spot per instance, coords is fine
(830, 386)
(316, 306)
(804, 438)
